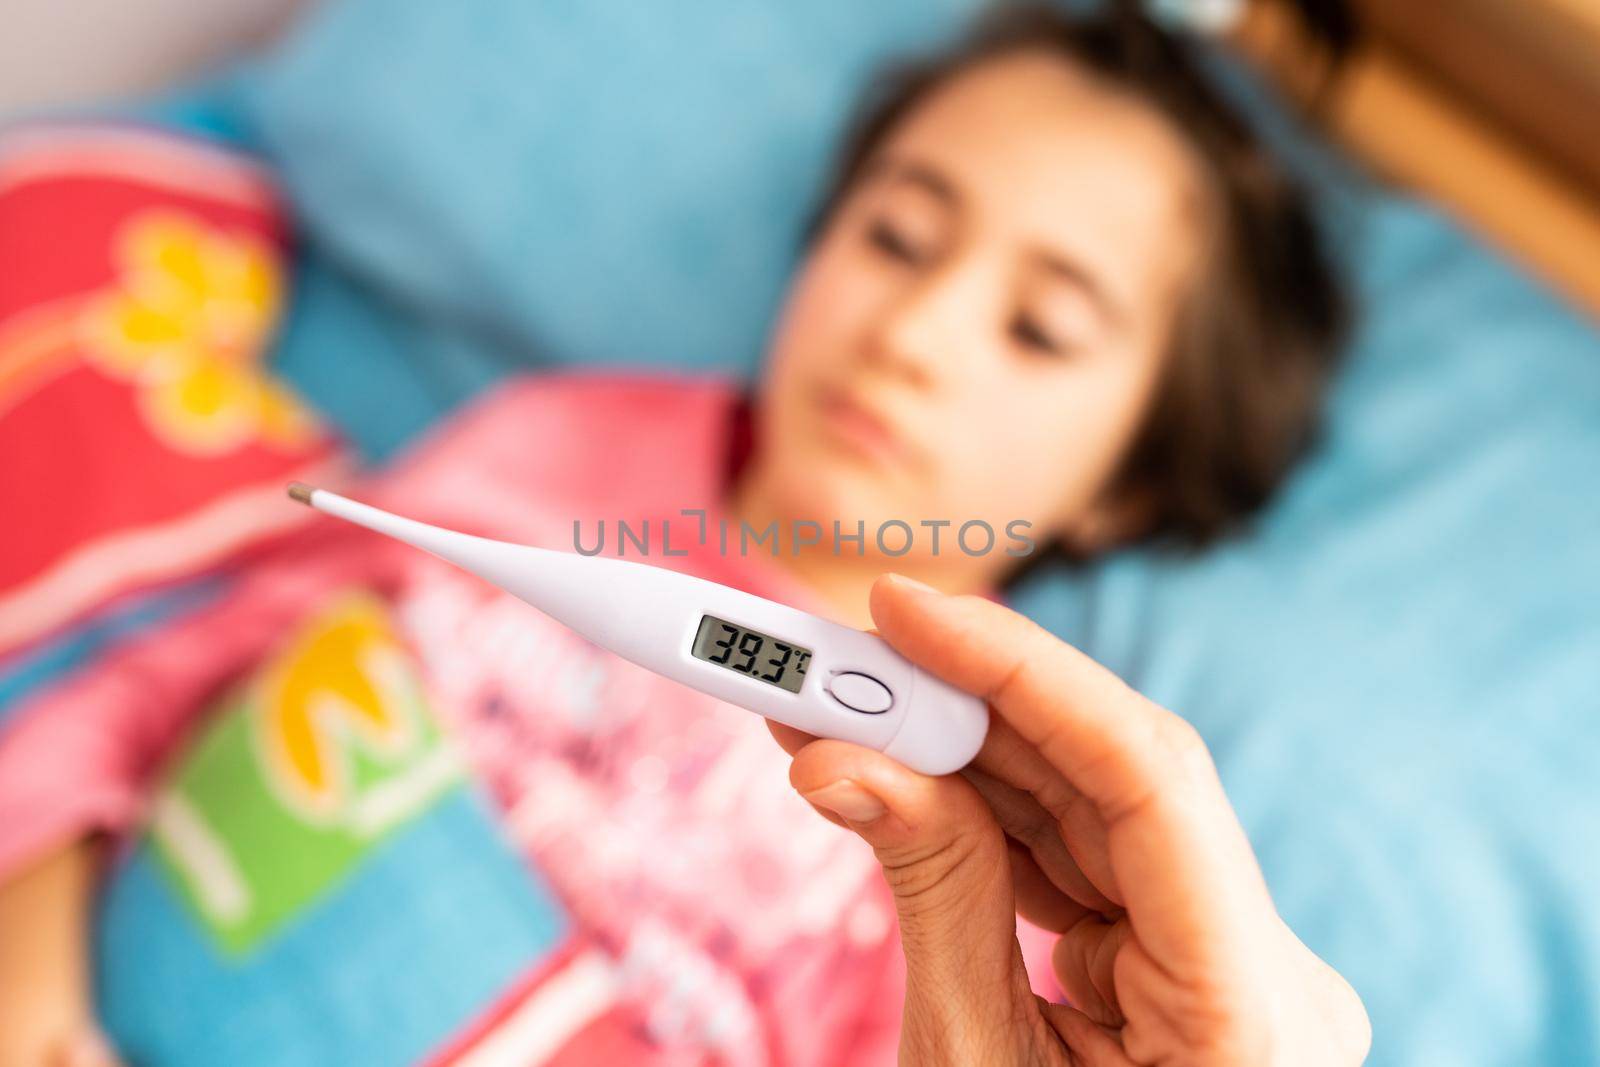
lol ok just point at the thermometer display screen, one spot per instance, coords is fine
(746, 651)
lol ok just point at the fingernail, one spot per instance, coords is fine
(848, 801)
(911, 583)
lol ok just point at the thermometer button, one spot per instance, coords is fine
(860, 692)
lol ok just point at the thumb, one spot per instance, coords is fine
(945, 859)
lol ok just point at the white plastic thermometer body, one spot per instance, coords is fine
(815, 675)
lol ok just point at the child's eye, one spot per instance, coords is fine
(1030, 335)
(886, 239)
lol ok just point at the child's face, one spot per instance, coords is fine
(978, 330)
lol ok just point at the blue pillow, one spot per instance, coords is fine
(576, 181)
(1398, 668)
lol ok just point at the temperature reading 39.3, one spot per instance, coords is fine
(746, 651)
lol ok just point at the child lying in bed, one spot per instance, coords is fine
(1057, 292)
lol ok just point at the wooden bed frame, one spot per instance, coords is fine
(1491, 107)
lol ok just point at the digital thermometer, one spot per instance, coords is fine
(793, 667)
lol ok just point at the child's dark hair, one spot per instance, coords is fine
(1256, 338)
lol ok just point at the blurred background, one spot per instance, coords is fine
(1487, 105)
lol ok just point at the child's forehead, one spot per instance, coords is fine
(1028, 151)
(1033, 98)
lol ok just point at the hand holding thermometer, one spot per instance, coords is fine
(812, 674)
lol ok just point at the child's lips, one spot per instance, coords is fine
(861, 429)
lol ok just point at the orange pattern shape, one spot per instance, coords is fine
(187, 322)
(345, 682)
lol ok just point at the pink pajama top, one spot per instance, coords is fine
(662, 818)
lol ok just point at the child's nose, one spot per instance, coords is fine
(923, 332)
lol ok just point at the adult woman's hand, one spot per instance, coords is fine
(1095, 814)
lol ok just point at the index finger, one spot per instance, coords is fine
(1180, 858)
(1100, 734)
